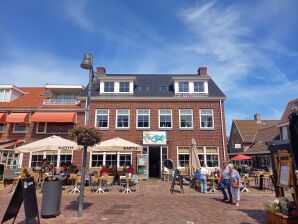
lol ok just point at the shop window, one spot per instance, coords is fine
(109, 87)
(97, 160)
(185, 118)
(20, 128)
(124, 87)
(165, 118)
(183, 87)
(124, 160)
(206, 118)
(143, 118)
(52, 158)
(212, 160)
(111, 160)
(198, 87)
(122, 118)
(65, 159)
(102, 118)
(54, 128)
(183, 156)
(36, 160)
(2, 128)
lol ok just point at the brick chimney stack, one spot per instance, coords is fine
(202, 71)
(101, 71)
(257, 117)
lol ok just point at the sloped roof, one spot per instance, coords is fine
(288, 109)
(249, 128)
(263, 136)
(32, 99)
(154, 81)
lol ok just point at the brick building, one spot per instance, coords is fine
(175, 107)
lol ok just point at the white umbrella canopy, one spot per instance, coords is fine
(194, 161)
(52, 143)
(117, 145)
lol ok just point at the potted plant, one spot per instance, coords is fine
(86, 136)
(281, 211)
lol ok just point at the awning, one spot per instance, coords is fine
(2, 117)
(241, 157)
(117, 145)
(55, 117)
(18, 118)
(8, 143)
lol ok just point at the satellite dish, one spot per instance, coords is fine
(168, 163)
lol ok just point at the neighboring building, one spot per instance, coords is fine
(31, 113)
(246, 138)
(174, 108)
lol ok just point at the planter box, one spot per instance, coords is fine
(277, 218)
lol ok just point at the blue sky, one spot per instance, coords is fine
(249, 47)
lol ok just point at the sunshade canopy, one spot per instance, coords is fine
(117, 145)
(18, 118)
(241, 157)
(194, 162)
(2, 117)
(51, 143)
(67, 117)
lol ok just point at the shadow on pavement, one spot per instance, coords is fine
(74, 205)
(258, 215)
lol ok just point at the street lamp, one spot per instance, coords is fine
(87, 63)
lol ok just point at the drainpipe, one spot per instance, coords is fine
(222, 131)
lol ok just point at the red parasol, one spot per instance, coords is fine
(241, 157)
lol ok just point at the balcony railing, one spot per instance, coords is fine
(60, 101)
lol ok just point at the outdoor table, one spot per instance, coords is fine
(101, 179)
(213, 188)
(127, 189)
(75, 178)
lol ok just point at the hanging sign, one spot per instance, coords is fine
(154, 138)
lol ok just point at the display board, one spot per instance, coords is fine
(24, 192)
(284, 171)
(142, 165)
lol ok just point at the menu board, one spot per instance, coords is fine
(142, 165)
(284, 175)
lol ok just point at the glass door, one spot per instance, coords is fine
(163, 156)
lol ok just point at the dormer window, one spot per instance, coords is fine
(4, 95)
(143, 88)
(164, 88)
(183, 87)
(109, 87)
(124, 87)
(198, 87)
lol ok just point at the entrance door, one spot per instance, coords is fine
(154, 162)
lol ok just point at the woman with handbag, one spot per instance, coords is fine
(235, 181)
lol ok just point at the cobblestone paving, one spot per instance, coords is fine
(154, 204)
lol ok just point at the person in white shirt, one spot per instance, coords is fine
(204, 173)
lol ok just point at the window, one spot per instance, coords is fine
(52, 158)
(183, 156)
(206, 116)
(143, 118)
(54, 128)
(102, 118)
(122, 118)
(163, 88)
(109, 87)
(4, 95)
(36, 160)
(284, 133)
(124, 160)
(20, 128)
(165, 118)
(97, 160)
(185, 118)
(209, 155)
(183, 87)
(65, 159)
(143, 88)
(124, 87)
(111, 160)
(212, 160)
(2, 127)
(198, 87)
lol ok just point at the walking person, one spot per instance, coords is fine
(225, 184)
(235, 184)
(204, 173)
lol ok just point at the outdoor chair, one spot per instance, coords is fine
(135, 181)
(109, 182)
(122, 182)
(94, 182)
(36, 178)
(267, 180)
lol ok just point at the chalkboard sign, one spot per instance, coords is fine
(177, 177)
(25, 191)
(284, 178)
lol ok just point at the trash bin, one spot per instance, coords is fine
(51, 199)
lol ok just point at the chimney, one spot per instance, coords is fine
(101, 71)
(202, 71)
(257, 117)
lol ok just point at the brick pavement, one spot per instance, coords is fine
(155, 204)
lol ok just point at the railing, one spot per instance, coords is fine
(60, 101)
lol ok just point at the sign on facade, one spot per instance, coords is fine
(154, 138)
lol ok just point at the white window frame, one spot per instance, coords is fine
(165, 128)
(128, 86)
(137, 115)
(2, 125)
(179, 87)
(207, 128)
(105, 84)
(45, 128)
(199, 91)
(96, 114)
(116, 123)
(209, 153)
(5, 92)
(44, 154)
(184, 153)
(192, 125)
(14, 125)
(109, 153)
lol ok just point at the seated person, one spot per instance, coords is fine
(104, 170)
(51, 168)
(130, 170)
(63, 172)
